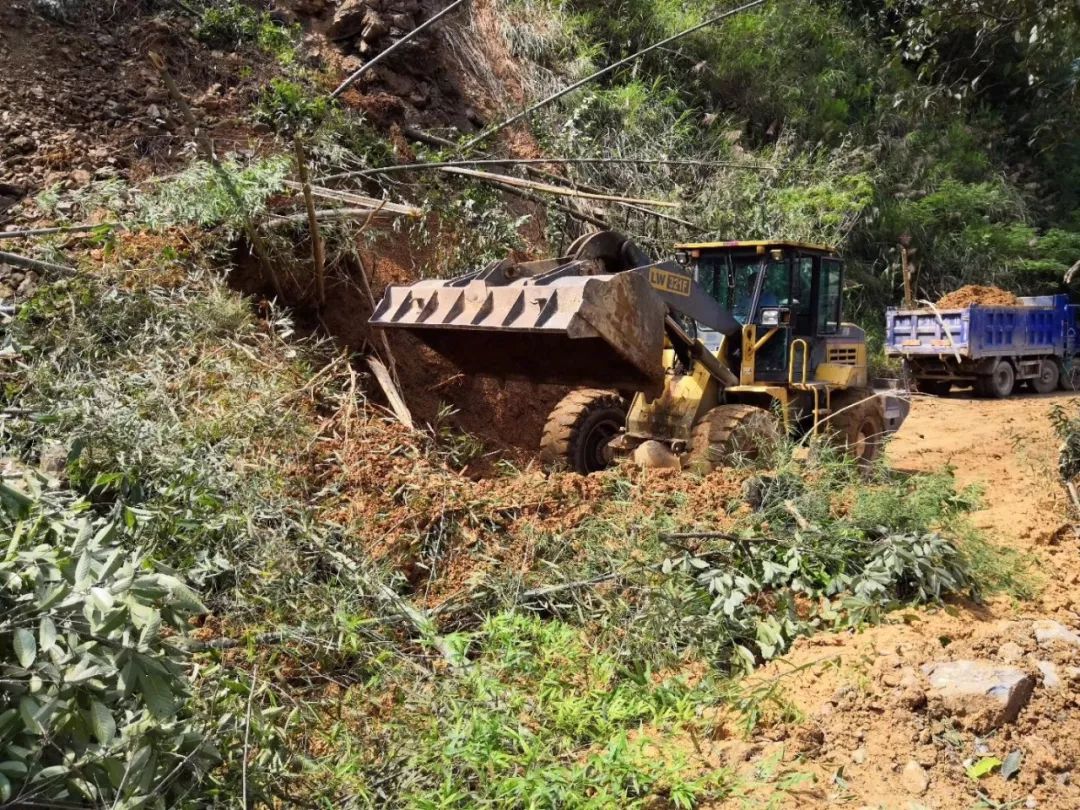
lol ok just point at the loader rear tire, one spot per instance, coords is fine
(727, 434)
(579, 428)
(860, 430)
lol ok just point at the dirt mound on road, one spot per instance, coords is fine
(981, 296)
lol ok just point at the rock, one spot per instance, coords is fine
(1010, 652)
(914, 778)
(654, 455)
(54, 459)
(406, 22)
(858, 756)
(348, 20)
(982, 694)
(376, 26)
(1049, 671)
(912, 698)
(1050, 632)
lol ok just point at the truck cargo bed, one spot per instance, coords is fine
(1041, 326)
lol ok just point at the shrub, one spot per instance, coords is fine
(94, 693)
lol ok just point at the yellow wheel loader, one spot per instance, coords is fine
(691, 362)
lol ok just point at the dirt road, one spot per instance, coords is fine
(871, 730)
(1005, 446)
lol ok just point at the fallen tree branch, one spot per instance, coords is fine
(34, 264)
(425, 137)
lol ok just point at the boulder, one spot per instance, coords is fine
(1049, 672)
(1049, 632)
(654, 455)
(348, 20)
(982, 695)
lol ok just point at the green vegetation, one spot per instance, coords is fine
(192, 433)
(946, 123)
(231, 25)
(376, 629)
(94, 705)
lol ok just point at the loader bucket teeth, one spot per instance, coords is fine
(572, 322)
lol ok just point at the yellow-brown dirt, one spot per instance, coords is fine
(861, 694)
(977, 295)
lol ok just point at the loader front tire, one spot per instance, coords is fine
(579, 428)
(727, 434)
(858, 430)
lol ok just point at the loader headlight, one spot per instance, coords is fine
(770, 317)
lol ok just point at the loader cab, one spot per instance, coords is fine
(783, 290)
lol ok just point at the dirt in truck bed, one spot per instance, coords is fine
(974, 294)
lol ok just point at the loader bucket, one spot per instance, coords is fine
(570, 323)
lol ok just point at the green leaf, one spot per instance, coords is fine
(102, 722)
(46, 634)
(5, 789)
(25, 647)
(13, 767)
(157, 697)
(984, 767)
(28, 711)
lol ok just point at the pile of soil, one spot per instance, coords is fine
(974, 294)
(446, 533)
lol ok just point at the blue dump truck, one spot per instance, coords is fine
(992, 348)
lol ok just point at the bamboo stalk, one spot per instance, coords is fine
(415, 167)
(326, 214)
(60, 229)
(318, 257)
(359, 199)
(548, 188)
(34, 264)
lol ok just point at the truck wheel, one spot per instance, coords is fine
(1047, 381)
(936, 388)
(860, 429)
(729, 433)
(579, 428)
(999, 383)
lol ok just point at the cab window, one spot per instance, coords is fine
(828, 314)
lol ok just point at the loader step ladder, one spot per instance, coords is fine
(822, 404)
